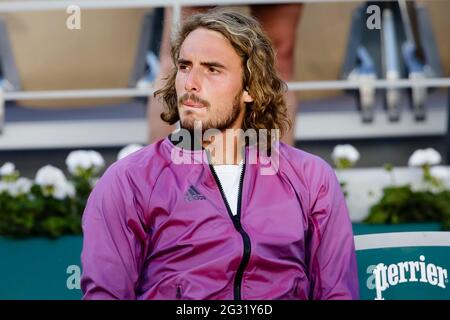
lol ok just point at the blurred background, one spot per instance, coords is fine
(112, 47)
(371, 83)
(79, 77)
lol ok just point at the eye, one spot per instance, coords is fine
(213, 70)
(182, 66)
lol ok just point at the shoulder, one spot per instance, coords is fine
(145, 162)
(312, 176)
(304, 163)
(136, 172)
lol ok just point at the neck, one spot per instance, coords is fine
(225, 147)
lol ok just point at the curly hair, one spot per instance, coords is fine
(260, 79)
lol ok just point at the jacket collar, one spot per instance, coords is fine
(186, 142)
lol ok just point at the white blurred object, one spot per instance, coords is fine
(440, 172)
(85, 160)
(20, 186)
(70, 189)
(127, 150)
(53, 182)
(364, 186)
(7, 169)
(4, 186)
(423, 157)
(345, 151)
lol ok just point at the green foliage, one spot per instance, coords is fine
(35, 214)
(343, 163)
(401, 204)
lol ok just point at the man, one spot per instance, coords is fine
(199, 218)
(279, 21)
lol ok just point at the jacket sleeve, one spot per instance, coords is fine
(114, 238)
(331, 254)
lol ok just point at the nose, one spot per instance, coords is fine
(192, 83)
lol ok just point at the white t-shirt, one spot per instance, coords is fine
(229, 176)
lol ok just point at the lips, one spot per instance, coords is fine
(191, 104)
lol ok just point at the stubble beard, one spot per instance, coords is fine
(219, 123)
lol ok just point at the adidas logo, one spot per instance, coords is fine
(193, 194)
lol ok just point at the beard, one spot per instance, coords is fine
(220, 122)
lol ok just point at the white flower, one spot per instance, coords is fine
(62, 191)
(70, 190)
(97, 159)
(53, 178)
(9, 188)
(345, 151)
(127, 150)
(48, 176)
(4, 187)
(84, 159)
(7, 169)
(21, 186)
(423, 157)
(440, 172)
(15, 188)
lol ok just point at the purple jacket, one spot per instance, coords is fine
(157, 229)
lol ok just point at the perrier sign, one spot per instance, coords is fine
(403, 266)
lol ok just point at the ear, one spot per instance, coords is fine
(246, 96)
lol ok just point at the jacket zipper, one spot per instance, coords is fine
(178, 295)
(237, 224)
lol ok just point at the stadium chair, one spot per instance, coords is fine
(113, 52)
(403, 47)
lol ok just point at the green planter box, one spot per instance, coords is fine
(365, 228)
(40, 268)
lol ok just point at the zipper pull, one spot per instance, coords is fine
(178, 292)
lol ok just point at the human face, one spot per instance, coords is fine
(209, 82)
